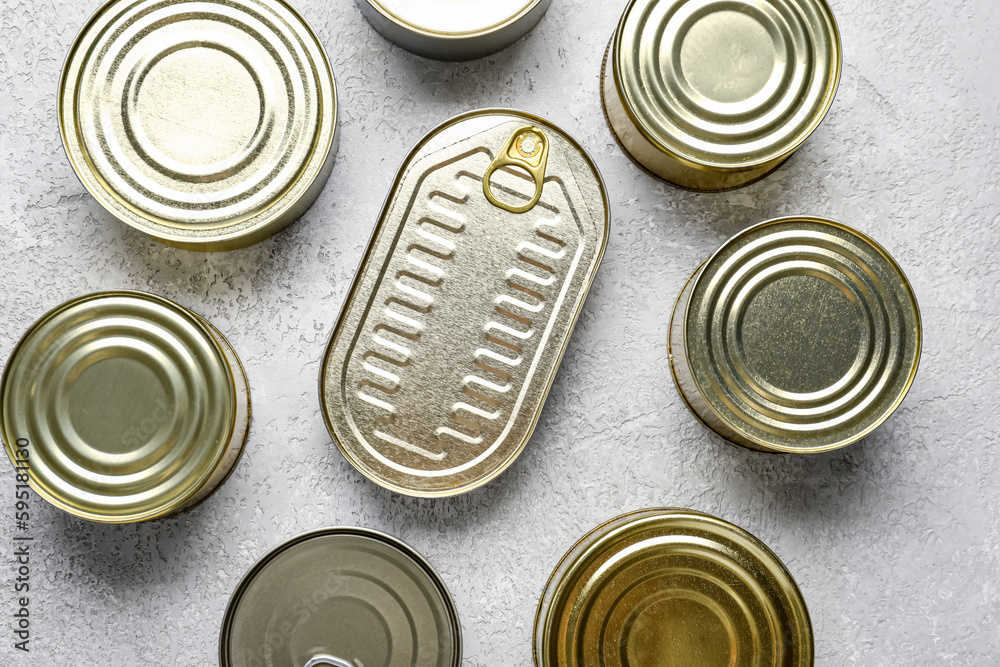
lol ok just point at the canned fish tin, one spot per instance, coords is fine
(715, 94)
(799, 335)
(450, 30)
(124, 407)
(341, 597)
(675, 587)
(467, 295)
(207, 124)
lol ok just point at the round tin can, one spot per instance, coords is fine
(341, 597)
(124, 407)
(450, 30)
(207, 124)
(671, 587)
(712, 95)
(466, 298)
(799, 335)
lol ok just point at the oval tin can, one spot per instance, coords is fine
(207, 124)
(450, 30)
(671, 587)
(799, 335)
(464, 303)
(124, 407)
(713, 95)
(341, 597)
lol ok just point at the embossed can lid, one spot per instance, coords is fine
(671, 587)
(128, 404)
(802, 334)
(206, 124)
(727, 84)
(453, 29)
(341, 597)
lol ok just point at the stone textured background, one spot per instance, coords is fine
(894, 541)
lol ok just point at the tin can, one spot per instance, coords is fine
(450, 30)
(671, 586)
(464, 303)
(799, 335)
(124, 407)
(341, 597)
(206, 124)
(712, 95)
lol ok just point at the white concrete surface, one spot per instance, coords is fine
(894, 541)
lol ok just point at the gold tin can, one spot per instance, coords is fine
(713, 95)
(341, 597)
(131, 407)
(799, 335)
(207, 124)
(464, 303)
(671, 587)
(450, 30)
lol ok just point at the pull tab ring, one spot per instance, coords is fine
(527, 148)
(327, 661)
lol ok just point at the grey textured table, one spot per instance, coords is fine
(894, 541)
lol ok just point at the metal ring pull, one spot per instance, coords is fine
(327, 661)
(528, 148)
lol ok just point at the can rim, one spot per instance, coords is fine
(225, 659)
(695, 281)
(710, 165)
(207, 329)
(228, 240)
(366, 257)
(451, 36)
(626, 519)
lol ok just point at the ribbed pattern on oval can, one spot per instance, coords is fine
(450, 29)
(208, 124)
(452, 333)
(712, 95)
(341, 597)
(671, 586)
(799, 335)
(129, 407)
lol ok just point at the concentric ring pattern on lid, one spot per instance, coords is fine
(727, 84)
(801, 334)
(341, 597)
(130, 406)
(207, 124)
(671, 587)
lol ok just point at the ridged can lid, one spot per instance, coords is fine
(671, 587)
(721, 86)
(207, 124)
(453, 29)
(341, 597)
(130, 407)
(798, 335)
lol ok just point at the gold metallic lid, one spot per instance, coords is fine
(453, 29)
(726, 84)
(671, 587)
(465, 301)
(129, 404)
(801, 335)
(207, 124)
(341, 597)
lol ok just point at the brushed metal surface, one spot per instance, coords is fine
(452, 333)
(208, 125)
(135, 407)
(453, 29)
(671, 587)
(800, 335)
(341, 597)
(715, 94)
